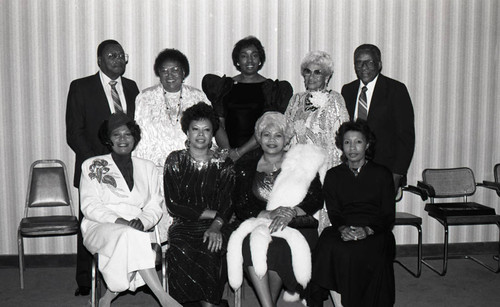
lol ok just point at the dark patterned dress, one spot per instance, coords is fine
(194, 273)
(361, 271)
(250, 198)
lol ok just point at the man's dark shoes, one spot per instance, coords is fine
(82, 291)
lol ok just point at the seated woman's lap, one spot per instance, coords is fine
(350, 262)
(279, 260)
(103, 238)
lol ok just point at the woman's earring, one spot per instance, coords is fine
(187, 143)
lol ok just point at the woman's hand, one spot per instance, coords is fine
(281, 217)
(279, 223)
(283, 212)
(136, 224)
(121, 221)
(353, 233)
(214, 237)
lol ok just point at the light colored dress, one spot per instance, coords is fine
(105, 197)
(158, 113)
(314, 118)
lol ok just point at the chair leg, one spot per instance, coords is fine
(492, 269)
(237, 297)
(164, 272)
(94, 300)
(419, 255)
(20, 252)
(444, 258)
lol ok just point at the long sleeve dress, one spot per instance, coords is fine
(195, 273)
(250, 198)
(241, 104)
(105, 197)
(158, 114)
(315, 117)
(361, 271)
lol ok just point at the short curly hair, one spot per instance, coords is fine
(368, 48)
(105, 131)
(171, 55)
(321, 58)
(199, 111)
(245, 43)
(362, 127)
(272, 118)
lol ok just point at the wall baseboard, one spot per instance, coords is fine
(406, 250)
(434, 250)
(33, 261)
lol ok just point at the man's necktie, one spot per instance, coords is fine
(362, 104)
(116, 98)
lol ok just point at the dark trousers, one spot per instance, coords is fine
(83, 257)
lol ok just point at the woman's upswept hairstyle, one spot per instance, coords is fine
(171, 55)
(320, 58)
(199, 111)
(247, 42)
(114, 121)
(362, 127)
(272, 118)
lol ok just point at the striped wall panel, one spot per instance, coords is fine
(446, 52)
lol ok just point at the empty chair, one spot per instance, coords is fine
(408, 219)
(452, 183)
(48, 186)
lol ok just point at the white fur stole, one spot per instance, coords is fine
(299, 168)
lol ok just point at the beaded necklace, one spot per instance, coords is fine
(173, 106)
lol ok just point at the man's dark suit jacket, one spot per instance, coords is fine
(391, 119)
(86, 109)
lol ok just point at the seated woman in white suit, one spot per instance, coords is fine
(120, 201)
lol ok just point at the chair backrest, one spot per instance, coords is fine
(450, 182)
(496, 171)
(48, 185)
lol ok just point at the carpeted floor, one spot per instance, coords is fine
(465, 285)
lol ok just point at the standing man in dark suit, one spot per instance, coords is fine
(91, 100)
(386, 105)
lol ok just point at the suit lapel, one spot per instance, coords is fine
(379, 92)
(99, 97)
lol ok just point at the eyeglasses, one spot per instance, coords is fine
(370, 64)
(175, 71)
(118, 56)
(316, 73)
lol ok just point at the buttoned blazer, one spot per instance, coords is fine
(87, 107)
(391, 119)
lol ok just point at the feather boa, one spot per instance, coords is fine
(299, 168)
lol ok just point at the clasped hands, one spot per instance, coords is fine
(281, 217)
(135, 223)
(355, 233)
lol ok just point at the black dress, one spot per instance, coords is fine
(249, 200)
(241, 104)
(361, 271)
(194, 273)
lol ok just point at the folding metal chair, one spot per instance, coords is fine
(48, 187)
(456, 183)
(408, 219)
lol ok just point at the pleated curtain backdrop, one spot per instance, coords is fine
(445, 51)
